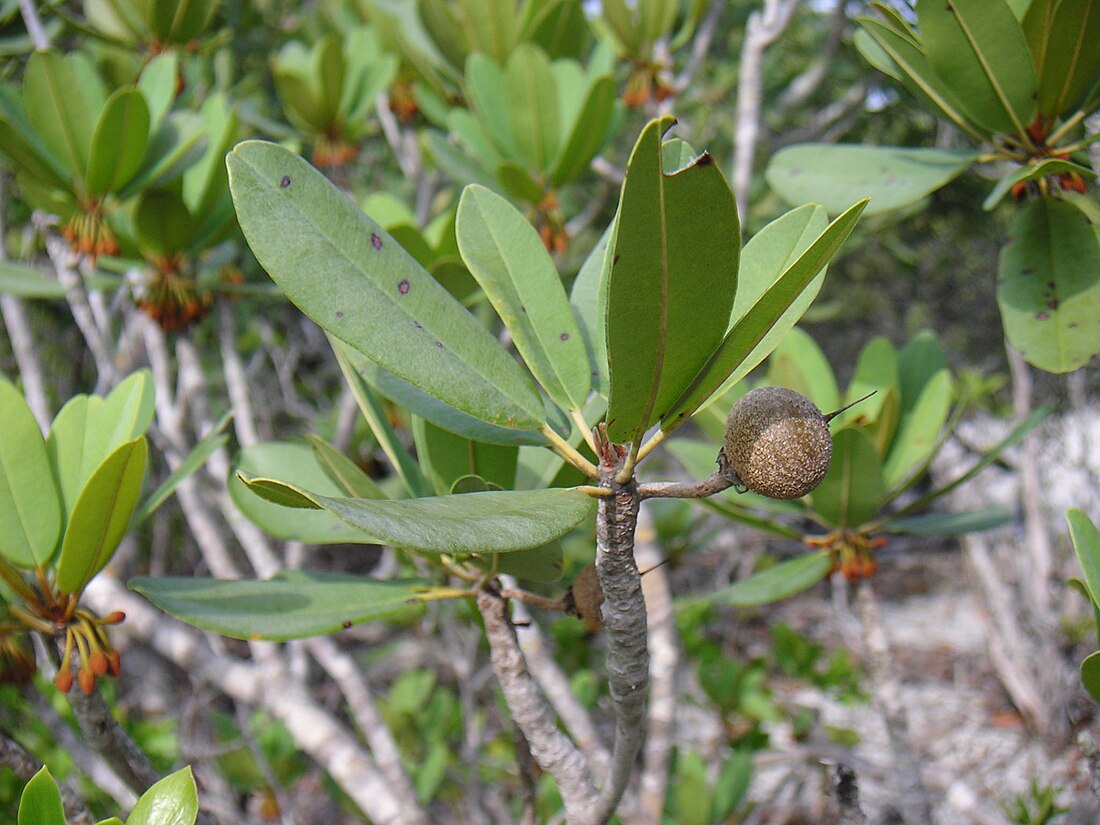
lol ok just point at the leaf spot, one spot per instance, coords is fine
(615, 260)
(403, 286)
(439, 344)
(418, 325)
(339, 313)
(1053, 303)
(346, 625)
(285, 182)
(375, 241)
(564, 336)
(1042, 316)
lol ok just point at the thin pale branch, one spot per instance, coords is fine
(552, 749)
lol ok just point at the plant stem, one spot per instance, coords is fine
(716, 482)
(624, 618)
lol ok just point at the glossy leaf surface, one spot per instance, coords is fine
(978, 49)
(101, 516)
(29, 509)
(345, 272)
(293, 604)
(171, 801)
(754, 325)
(836, 175)
(1063, 38)
(40, 803)
(118, 143)
(672, 282)
(1049, 285)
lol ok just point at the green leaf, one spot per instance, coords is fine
(799, 364)
(296, 461)
(118, 143)
(754, 325)
(1049, 285)
(293, 604)
(1042, 169)
(588, 133)
(432, 409)
(835, 175)
(162, 223)
(988, 457)
(778, 582)
(350, 277)
(101, 516)
(40, 803)
(763, 261)
(179, 23)
(588, 298)
(1062, 37)
(853, 490)
(171, 801)
(950, 524)
(485, 86)
(1086, 544)
(510, 263)
(29, 508)
(919, 429)
(1090, 676)
(158, 82)
(531, 97)
(59, 113)
(876, 371)
(445, 457)
(370, 405)
(342, 471)
(978, 49)
(491, 522)
(214, 440)
(22, 143)
(25, 281)
(908, 55)
(672, 282)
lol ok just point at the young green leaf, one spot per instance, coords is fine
(101, 516)
(40, 803)
(342, 471)
(763, 261)
(63, 117)
(853, 490)
(118, 143)
(799, 364)
(672, 282)
(774, 583)
(919, 429)
(509, 261)
(1090, 675)
(531, 99)
(588, 299)
(1044, 168)
(835, 175)
(293, 604)
(747, 333)
(491, 522)
(171, 801)
(348, 275)
(1086, 544)
(29, 508)
(1049, 285)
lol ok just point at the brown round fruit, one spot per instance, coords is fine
(778, 443)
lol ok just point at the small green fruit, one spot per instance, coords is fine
(778, 443)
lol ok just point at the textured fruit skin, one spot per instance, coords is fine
(778, 443)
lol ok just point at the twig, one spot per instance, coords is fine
(798, 91)
(528, 789)
(25, 766)
(555, 685)
(34, 25)
(341, 668)
(552, 749)
(763, 27)
(235, 381)
(716, 482)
